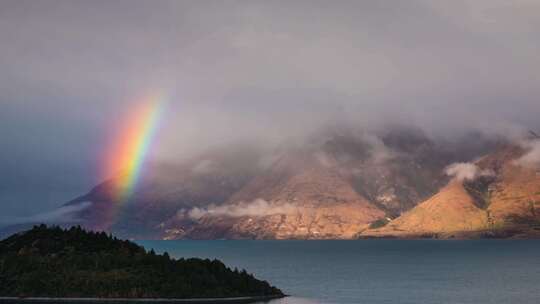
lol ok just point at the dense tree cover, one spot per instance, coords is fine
(53, 262)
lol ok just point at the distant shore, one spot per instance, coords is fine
(44, 300)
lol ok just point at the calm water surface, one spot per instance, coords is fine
(382, 271)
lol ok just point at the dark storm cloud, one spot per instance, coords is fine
(238, 69)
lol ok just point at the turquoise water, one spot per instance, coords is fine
(382, 271)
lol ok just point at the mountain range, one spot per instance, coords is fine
(340, 183)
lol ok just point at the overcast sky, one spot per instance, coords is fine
(70, 70)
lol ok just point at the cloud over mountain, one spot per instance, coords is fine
(64, 214)
(72, 69)
(466, 171)
(258, 207)
(531, 158)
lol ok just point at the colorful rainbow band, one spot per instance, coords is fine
(133, 144)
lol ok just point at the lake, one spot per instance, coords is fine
(382, 271)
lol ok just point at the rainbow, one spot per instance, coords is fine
(131, 144)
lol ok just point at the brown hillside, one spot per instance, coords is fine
(451, 210)
(321, 204)
(505, 203)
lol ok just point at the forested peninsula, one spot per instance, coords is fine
(74, 263)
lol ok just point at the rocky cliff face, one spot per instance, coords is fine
(337, 184)
(501, 200)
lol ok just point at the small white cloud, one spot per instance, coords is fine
(268, 160)
(323, 159)
(258, 207)
(531, 159)
(203, 167)
(380, 153)
(466, 171)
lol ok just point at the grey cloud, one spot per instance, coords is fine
(531, 158)
(64, 214)
(264, 70)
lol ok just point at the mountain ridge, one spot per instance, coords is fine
(503, 203)
(341, 184)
